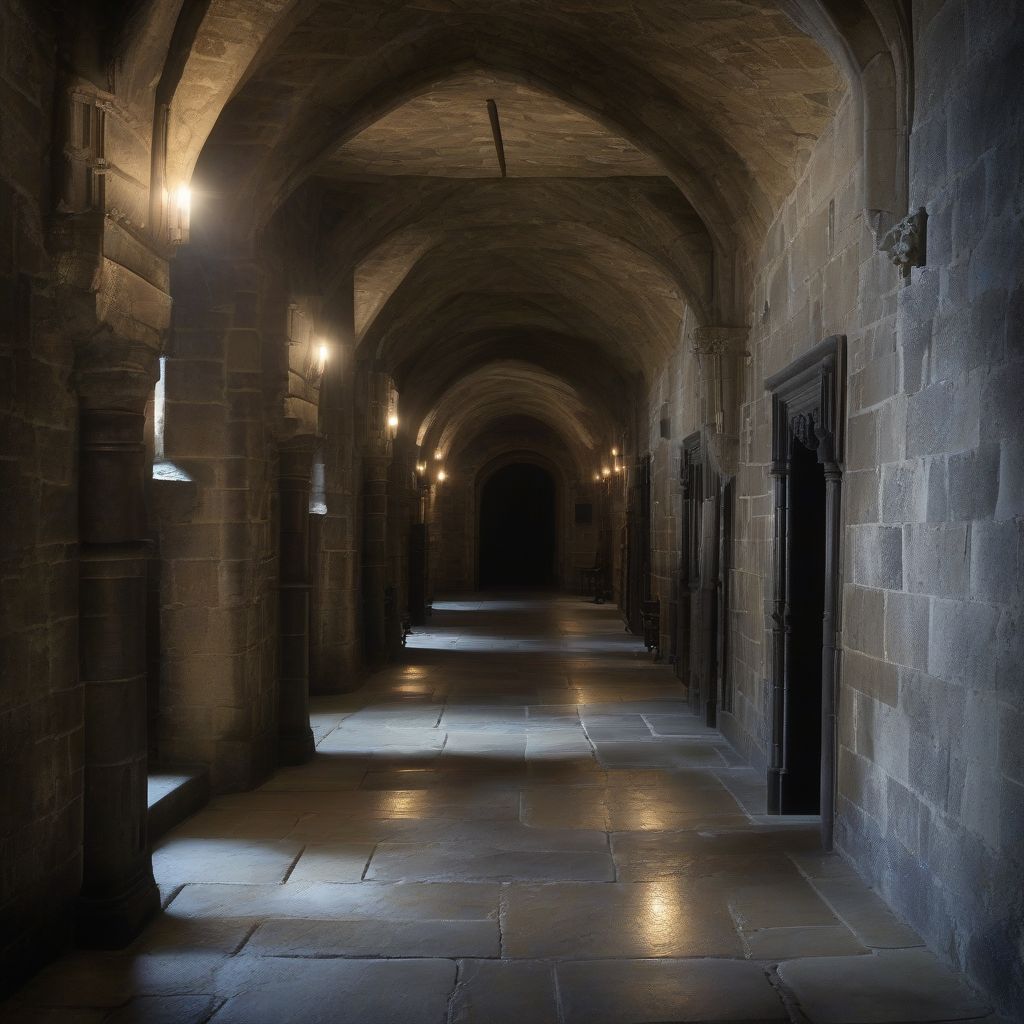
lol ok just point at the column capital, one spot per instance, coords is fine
(719, 340)
(300, 444)
(114, 373)
(295, 457)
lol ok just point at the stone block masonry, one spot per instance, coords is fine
(41, 714)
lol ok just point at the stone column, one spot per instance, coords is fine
(378, 451)
(118, 891)
(295, 738)
(719, 351)
(336, 596)
(375, 556)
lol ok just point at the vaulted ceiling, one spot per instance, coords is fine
(646, 145)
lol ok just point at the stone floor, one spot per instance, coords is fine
(519, 822)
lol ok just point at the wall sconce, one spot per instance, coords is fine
(323, 353)
(597, 478)
(179, 213)
(393, 421)
(615, 453)
(605, 472)
(421, 468)
(441, 476)
(438, 455)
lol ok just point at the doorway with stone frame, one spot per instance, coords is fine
(807, 403)
(518, 527)
(697, 619)
(637, 589)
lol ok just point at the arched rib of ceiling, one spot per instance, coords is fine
(736, 98)
(490, 312)
(644, 219)
(215, 45)
(603, 380)
(262, 179)
(593, 287)
(749, 80)
(517, 439)
(511, 388)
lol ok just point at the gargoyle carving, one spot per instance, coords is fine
(905, 242)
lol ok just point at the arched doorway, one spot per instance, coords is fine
(517, 527)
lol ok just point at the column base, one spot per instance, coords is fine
(296, 748)
(774, 791)
(111, 922)
(711, 714)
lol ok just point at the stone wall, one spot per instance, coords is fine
(218, 699)
(931, 789)
(41, 732)
(335, 543)
(819, 273)
(675, 398)
(932, 785)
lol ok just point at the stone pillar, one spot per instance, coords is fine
(336, 612)
(295, 738)
(118, 891)
(375, 554)
(719, 351)
(378, 451)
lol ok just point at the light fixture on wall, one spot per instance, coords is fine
(441, 476)
(615, 453)
(605, 472)
(323, 354)
(421, 467)
(438, 454)
(597, 478)
(393, 421)
(179, 213)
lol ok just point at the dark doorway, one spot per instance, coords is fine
(517, 528)
(699, 590)
(638, 540)
(807, 404)
(801, 785)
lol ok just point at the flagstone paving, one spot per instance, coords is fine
(520, 821)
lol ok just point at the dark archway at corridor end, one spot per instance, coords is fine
(517, 528)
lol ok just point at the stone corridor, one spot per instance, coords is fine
(519, 821)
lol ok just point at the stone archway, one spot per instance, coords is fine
(517, 527)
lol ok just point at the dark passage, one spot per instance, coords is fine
(801, 791)
(517, 528)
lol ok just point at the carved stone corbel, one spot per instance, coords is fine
(906, 242)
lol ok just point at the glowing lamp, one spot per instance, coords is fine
(392, 421)
(615, 452)
(441, 476)
(605, 471)
(180, 213)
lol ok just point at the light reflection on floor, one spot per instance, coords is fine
(518, 821)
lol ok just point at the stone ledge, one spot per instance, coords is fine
(174, 795)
